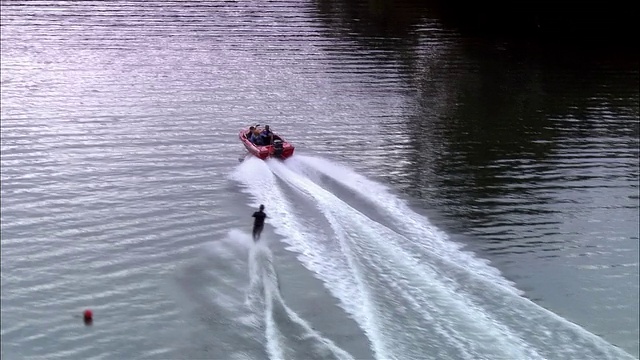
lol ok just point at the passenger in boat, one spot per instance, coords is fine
(256, 139)
(248, 135)
(266, 135)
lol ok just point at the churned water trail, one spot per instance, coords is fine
(410, 301)
(235, 287)
(288, 335)
(415, 228)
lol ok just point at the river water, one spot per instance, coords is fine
(450, 197)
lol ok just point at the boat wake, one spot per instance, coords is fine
(414, 293)
(249, 322)
(288, 336)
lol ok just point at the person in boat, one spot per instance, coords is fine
(256, 138)
(251, 130)
(258, 223)
(266, 135)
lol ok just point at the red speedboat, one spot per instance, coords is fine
(280, 149)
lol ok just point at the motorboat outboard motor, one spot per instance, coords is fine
(278, 147)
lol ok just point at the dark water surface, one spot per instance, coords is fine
(122, 191)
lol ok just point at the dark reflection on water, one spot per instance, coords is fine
(510, 127)
(605, 24)
(372, 19)
(484, 107)
(531, 150)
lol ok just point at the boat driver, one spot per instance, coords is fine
(266, 135)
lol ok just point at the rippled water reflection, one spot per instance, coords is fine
(118, 131)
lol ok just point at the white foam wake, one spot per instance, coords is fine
(412, 301)
(415, 227)
(288, 336)
(371, 248)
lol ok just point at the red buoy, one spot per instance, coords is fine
(88, 316)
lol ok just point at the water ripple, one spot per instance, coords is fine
(119, 123)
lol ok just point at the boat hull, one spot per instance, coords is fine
(268, 151)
